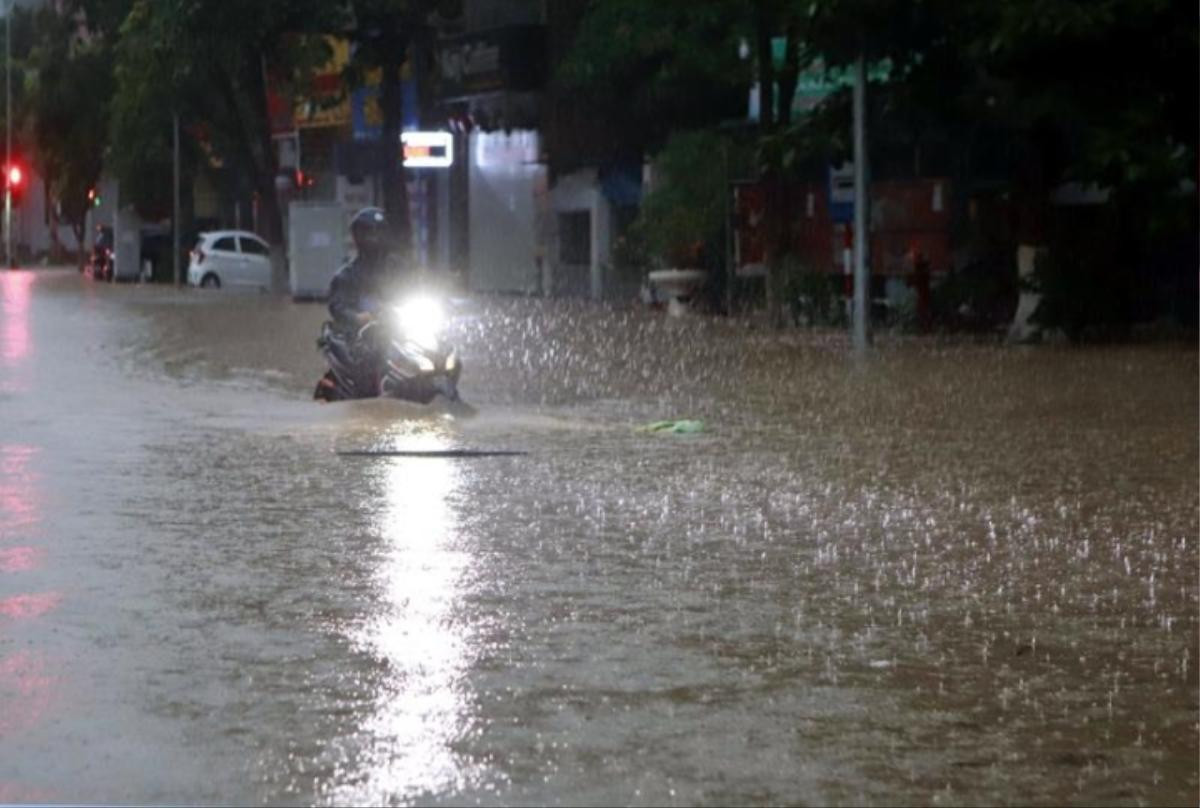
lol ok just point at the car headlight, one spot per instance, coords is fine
(421, 320)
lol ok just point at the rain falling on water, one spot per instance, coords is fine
(951, 572)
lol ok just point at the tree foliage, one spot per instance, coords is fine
(70, 83)
(659, 67)
(211, 63)
(1091, 90)
(682, 218)
(385, 34)
(208, 62)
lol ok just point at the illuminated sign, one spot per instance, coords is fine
(427, 149)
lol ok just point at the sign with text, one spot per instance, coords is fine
(508, 59)
(427, 149)
(841, 192)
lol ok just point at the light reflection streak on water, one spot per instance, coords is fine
(26, 691)
(15, 294)
(18, 501)
(423, 709)
(25, 606)
(19, 559)
(28, 687)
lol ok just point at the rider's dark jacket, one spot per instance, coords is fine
(357, 286)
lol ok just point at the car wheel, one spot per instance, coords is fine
(210, 281)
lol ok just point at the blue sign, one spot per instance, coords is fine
(841, 193)
(366, 116)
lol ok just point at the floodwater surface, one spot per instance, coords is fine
(949, 572)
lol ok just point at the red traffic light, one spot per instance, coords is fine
(15, 176)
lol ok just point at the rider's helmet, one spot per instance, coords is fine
(369, 230)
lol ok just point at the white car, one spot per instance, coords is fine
(230, 259)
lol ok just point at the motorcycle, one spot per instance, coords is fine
(398, 354)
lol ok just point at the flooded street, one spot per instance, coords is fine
(947, 573)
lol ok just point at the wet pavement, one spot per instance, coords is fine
(948, 573)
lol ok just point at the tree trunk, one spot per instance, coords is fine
(764, 25)
(77, 230)
(790, 76)
(253, 144)
(270, 213)
(264, 151)
(774, 221)
(1032, 208)
(56, 247)
(392, 175)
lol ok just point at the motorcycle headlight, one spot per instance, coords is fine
(421, 320)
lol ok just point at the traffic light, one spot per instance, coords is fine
(93, 197)
(14, 177)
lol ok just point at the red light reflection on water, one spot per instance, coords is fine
(16, 290)
(18, 494)
(29, 605)
(26, 691)
(12, 793)
(19, 559)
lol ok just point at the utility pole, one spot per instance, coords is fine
(175, 213)
(8, 251)
(862, 286)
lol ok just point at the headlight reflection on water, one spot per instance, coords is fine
(423, 710)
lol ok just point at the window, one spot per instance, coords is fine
(252, 246)
(575, 237)
(227, 244)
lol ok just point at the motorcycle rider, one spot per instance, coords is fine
(361, 282)
(357, 289)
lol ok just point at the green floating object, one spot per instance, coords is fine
(680, 427)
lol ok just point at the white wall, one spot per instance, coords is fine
(31, 230)
(579, 191)
(504, 187)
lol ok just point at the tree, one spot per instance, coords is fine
(1098, 92)
(20, 24)
(384, 34)
(1094, 91)
(651, 69)
(1089, 90)
(69, 104)
(661, 68)
(208, 62)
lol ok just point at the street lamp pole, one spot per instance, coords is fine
(175, 201)
(862, 285)
(8, 252)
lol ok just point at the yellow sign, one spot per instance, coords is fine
(328, 104)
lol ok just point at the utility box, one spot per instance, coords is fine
(127, 245)
(316, 247)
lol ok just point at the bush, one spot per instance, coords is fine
(807, 296)
(979, 297)
(681, 223)
(1084, 293)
